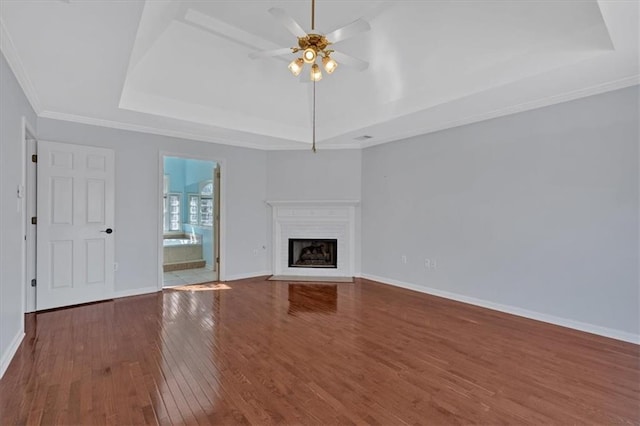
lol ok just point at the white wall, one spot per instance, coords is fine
(325, 175)
(13, 106)
(137, 221)
(537, 212)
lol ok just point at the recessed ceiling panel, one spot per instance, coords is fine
(182, 67)
(421, 54)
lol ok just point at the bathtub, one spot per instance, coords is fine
(170, 242)
(182, 252)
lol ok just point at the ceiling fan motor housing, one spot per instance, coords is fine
(316, 42)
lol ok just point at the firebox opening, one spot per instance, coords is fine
(313, 253)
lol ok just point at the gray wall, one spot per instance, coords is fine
(137, 194)
(303, 175)
(536, 211)
(13, 106)
(325, 175)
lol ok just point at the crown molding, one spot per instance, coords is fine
(292, 146)
(15, 63)
(80, 119)
(338, 146)
(299, 146)
(319, 145)
(610, 86)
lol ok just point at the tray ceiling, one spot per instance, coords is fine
(182, 67)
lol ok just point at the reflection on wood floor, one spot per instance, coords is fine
(269, 352)
(309, 297)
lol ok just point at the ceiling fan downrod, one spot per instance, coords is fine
(313, 137)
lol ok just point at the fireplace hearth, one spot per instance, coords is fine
(313, 253)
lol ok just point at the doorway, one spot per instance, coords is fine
(190, 221)
(29, 188)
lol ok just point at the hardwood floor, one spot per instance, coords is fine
(266, 352)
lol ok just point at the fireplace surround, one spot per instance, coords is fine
(317, 221)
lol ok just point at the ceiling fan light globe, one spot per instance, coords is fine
(329, 64)
(316, 74)
(309, 55)
(296, 66)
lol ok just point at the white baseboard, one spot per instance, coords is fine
(248, 275)
(552, 319)
(135, 292)
(11, 351)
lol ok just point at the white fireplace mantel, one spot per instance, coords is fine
(323, 203)
(309, 219)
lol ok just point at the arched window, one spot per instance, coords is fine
(206, 189)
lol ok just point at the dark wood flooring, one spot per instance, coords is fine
(265, 352)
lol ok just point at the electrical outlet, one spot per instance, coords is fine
(404, 259)
(430, 264)
(115, 266)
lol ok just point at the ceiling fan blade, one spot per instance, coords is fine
(356, 27)
(350, 61)
(227, 31)
(269, 53)
(287, 21)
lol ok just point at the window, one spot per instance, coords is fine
(172, 212)
(206, 188)
(206, 203)
(193, 204)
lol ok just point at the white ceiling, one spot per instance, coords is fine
(433, 64)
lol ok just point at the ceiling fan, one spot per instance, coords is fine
(314, 45)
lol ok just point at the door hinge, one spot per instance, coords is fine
(34, 220)
(217, 260)
(218, 174)
(34, 158)
(33, 282)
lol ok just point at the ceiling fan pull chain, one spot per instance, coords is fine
(313, 147)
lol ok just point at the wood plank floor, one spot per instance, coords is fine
(266, 352)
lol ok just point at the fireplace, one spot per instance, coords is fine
(313, 253)
(314, 220)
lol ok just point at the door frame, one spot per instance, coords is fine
(28, 133)
(221, 237)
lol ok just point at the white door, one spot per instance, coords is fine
(75, 249)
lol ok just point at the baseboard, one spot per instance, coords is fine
(248, 275)
(552, 319)
(135, 292)
(11, 351)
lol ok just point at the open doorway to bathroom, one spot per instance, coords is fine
(191, 221)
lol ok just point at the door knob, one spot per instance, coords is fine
(108, 230)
